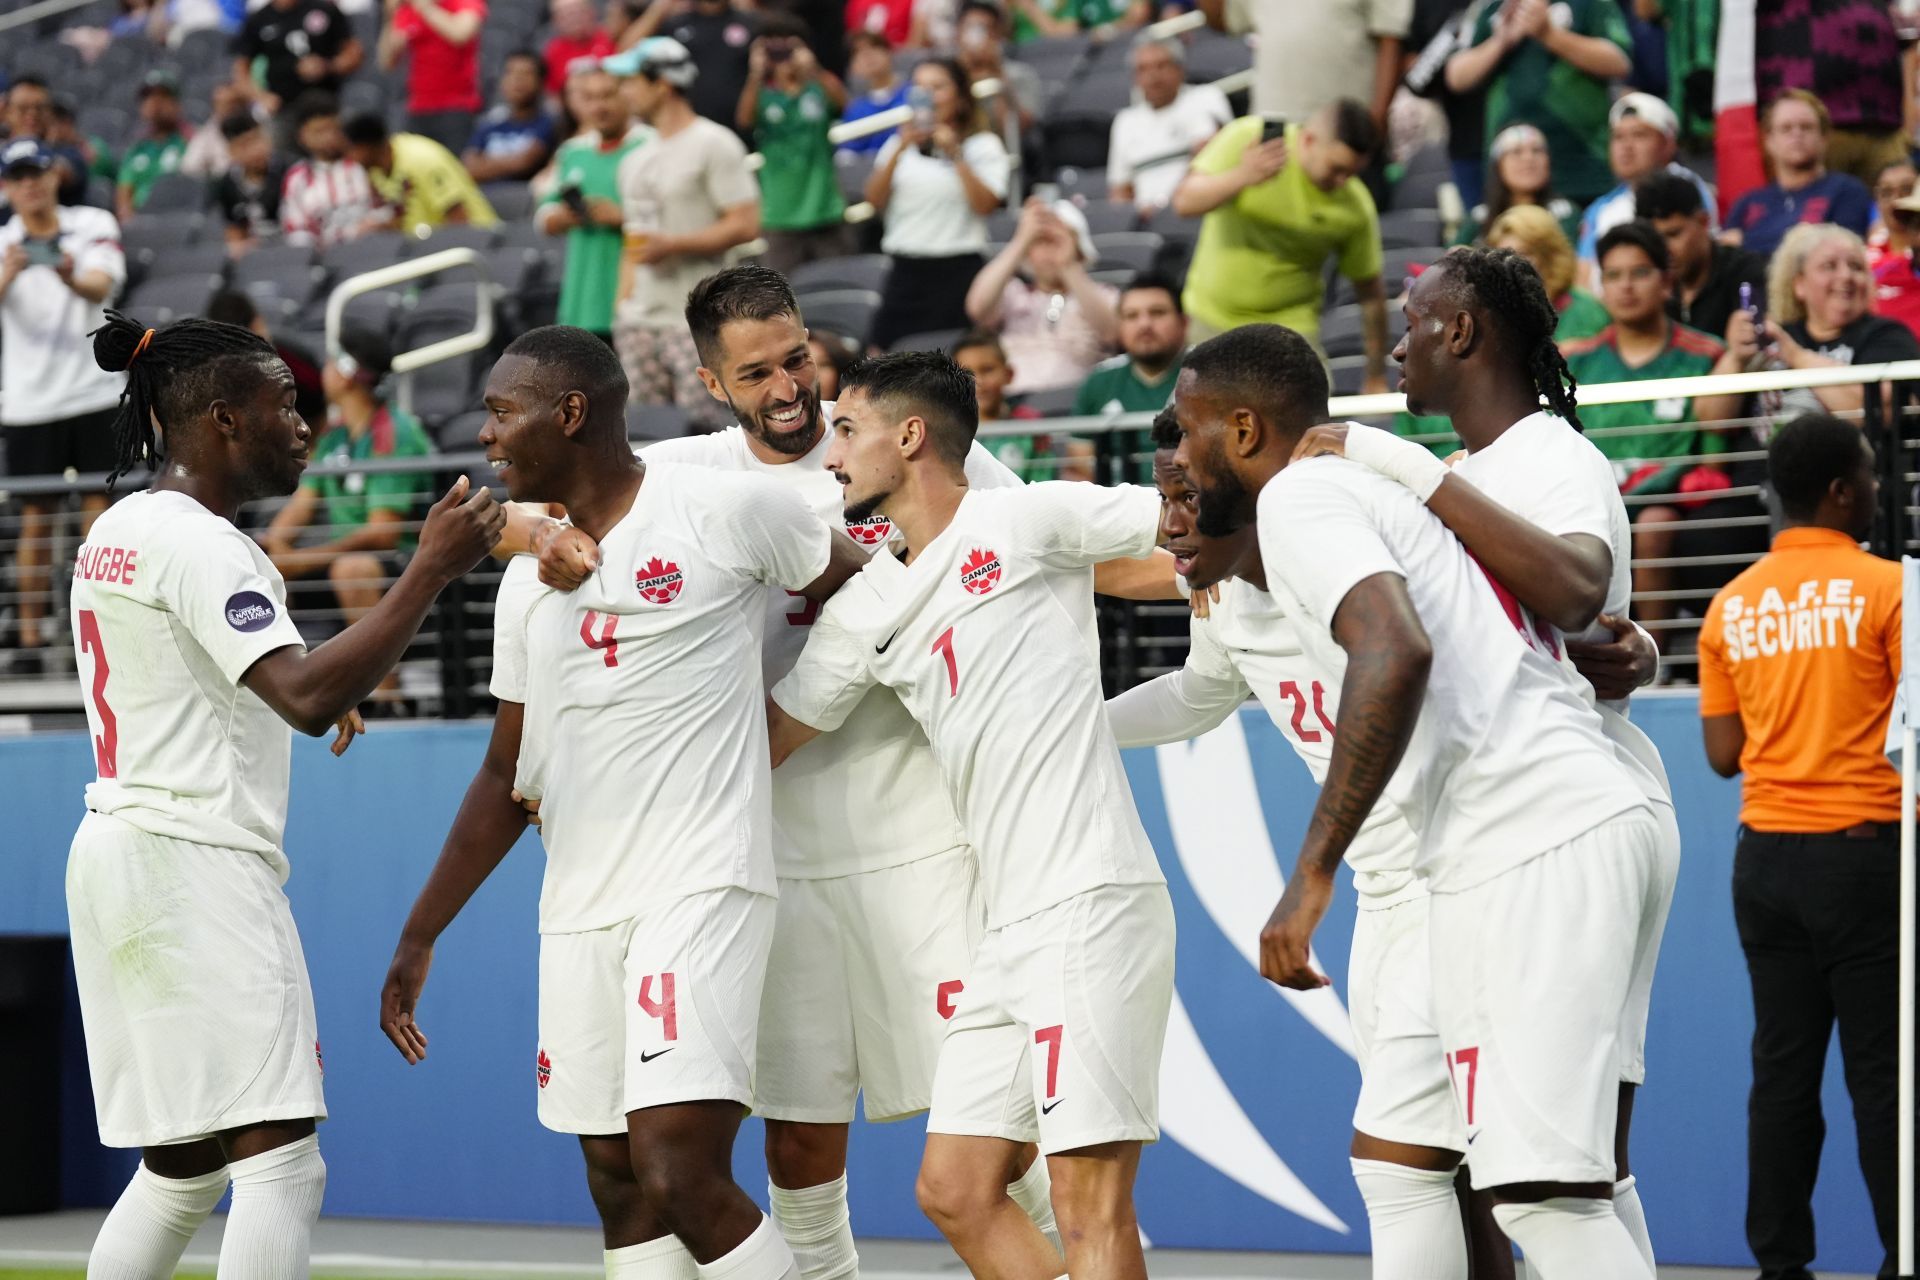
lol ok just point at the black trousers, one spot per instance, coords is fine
(1819, 921)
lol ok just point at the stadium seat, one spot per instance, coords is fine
(853, 168)
(1054, 402)
(1411, 229)
(1169, 225)
(858, 271)
(124, 61)
(483, 240)
(289, 268)
(1089, 183)
(360, 95)
(160, 231)
(1001, 224)
(376, 312)
(1421, 178)
(205, 258)
(368, 253)
(1104, 217)
(442, 390)
(460, 433)
(648, 422)
(100, 192)
(173, 192)
(932, 340)
(1213, 56)
(1118, 277)
(1108, 90)
(848, 311)
(1129, 250)
(207, 47)
(513, 201)
(1077, 139)
(49, 59)
(159, 302)
(110, 124)
(1342, 332)
(1347, 373)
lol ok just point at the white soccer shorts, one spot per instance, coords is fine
(1058, 1033)
(863, 977)
(1646, 953)
(1405, 1095)
(1531, 978)
(658, 1009)
(193, 987)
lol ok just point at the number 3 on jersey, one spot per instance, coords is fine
(106, 744)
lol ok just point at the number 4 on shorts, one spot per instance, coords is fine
(662, 1008)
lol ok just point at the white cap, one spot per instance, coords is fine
(1647, 108)
(1076, 221)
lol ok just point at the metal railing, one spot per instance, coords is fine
(446, 671)
(406, 363)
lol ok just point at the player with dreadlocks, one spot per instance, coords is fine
(1538, 505)
(200, 1028)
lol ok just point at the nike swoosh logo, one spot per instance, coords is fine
(882, 646)
(1047, 1110)
(649, 1057)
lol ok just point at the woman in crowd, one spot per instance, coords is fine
(1519, 172)
(1036, 294)
(1535, 234)
(934, 183)
(1896, 278)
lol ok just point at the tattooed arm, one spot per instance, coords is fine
(1388, 656)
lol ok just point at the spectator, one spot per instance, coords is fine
(1440, 29)
(304, 44)
(1519, 171)
(206, 155)
(1278, 207)
(1308, 53)
(889, 20)
(1896, 274)
(980, 48)
(881, 88)
(230, 306)
(328, 198)
(419, 179)
(934, 183)
(1036, 294)
(1535, 234)
(248, 194)
(1799, 657)
(1550, 65)
(1153, 342)
(688, 201)
(577, 34)
(440, 39)
(584, 205)
(64, 138)
(162, 148)
(516, 138)
(1070, 17)
(1707, 276)
(1843, 52)
(788, 105)
(1819, 295)
(1031, 457)
(833, 353)
(1155, 139)
(719, 39)
(364, 515)
(1642, 343)
(1642, 143)
(936, 24)
(58, 265)
(30, 115)
(1894, 183)
(1794, 132)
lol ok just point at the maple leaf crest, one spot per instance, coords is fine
(980, 571)
(543, 1068)
(659, 581)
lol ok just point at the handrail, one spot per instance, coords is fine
(34, 12)
(406, 362)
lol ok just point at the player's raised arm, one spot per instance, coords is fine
(1181, 704)
(1562, 580)
(311, 690)
(1149, 577)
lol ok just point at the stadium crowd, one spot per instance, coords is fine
(1062, 196)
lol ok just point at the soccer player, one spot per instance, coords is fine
(1479, 348)
(1540, 851)
(201, 1037)
(979, 626)
(1407, 1136)
(625, 702)
(879, 909)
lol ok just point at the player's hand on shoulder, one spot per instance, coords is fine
(1328, 439)
(1616, 667)
(1202, 602)
(531, 804)
(568, 557)
(1286, 955)
(346, 729)
(460, 530)
(406, 977)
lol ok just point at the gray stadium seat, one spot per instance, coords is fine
(457, 236)
(1054, 402)
(289, 268)
(1347, 373)
(1421, 178)
(859, 271)
(1342, 332)
(932, 340)
(174, 192)
(1170, 226)
(853, 168)
(848, 311)
(1213, 56)
(159, 302)
(1077, 138)
(206, 258)
(1088, 183)
(207, 47)
(1108, 90)
(108, 123)
(513, 201)
(443, 390)
(1104, 217)
(368, 253)
(376, 312)
(1131, 250)
(1411, 229)
(647, 422)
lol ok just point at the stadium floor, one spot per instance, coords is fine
(53, 1247)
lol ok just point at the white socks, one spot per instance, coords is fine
(1033, 1192)
(1569, 1238)
(761, 1256)
(276, 1198)
(662, 1259)
(1627, 1208)
(1417, 1231)
(151, 1225)
(817, 1228)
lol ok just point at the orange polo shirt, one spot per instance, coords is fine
(1805, 647)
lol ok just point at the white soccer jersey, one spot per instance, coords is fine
(1508, 759)
(1247, 646)
(981, 640)
(648, 748)
(1547, 473)
(171, 605)
(868, 795)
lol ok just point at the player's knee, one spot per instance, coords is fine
(805, 1155)
(953, 1197)
(682, 1193)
